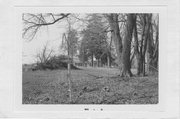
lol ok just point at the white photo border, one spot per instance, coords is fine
(11, 105)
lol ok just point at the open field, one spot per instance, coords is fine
(90, 86)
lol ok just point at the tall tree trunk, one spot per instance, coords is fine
(84, 62)
(140, 63)
(72, 58)
(155, 56)
(136, 50)
(154, 60)
(108, 60)
(150, 50)
(114, 25)
(110, 52)
(132, 58)
(92, 60)
(97, 62)
(147, 20)
(126, 69)
(140, 53)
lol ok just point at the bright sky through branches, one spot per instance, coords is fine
(52, 35)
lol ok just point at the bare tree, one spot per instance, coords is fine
(72, 37)
(44, 55)
(33, 22)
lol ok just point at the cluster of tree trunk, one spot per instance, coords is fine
(141, 29)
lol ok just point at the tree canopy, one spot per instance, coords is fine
(134, 37)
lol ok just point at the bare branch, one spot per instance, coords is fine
(33, 22)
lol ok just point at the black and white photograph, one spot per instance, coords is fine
(90, 58)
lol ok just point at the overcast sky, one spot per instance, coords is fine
(51, 35)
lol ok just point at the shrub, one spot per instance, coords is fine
(55, 62)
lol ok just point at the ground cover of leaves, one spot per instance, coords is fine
(90, 86)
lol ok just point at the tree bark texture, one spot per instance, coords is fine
(113, 21)
(140, 49)
(126, 67)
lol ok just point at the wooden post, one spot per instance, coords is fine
(69, 73)
(69, 70)
(69, 81)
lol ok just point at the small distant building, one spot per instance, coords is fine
(77, 62)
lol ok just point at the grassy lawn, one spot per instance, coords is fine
(90, 86)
